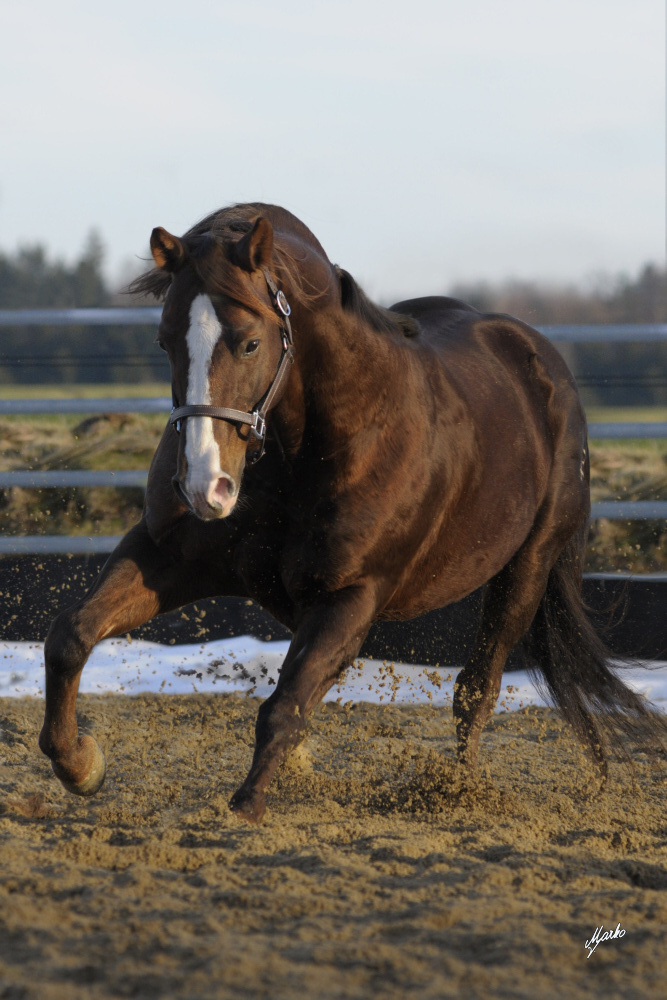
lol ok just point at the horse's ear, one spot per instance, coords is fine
(168, 251)
(255, 250)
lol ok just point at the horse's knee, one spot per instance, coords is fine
(279, 721)
(277, 714)
(67, 646)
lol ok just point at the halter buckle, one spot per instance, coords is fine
(258, 425)
(287, 347)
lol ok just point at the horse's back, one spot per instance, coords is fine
(447, 318)
(437, 315)
(490, 346)
(432, 304)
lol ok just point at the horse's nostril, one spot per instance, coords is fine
(222, 491)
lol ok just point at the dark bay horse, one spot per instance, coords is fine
(410, 456)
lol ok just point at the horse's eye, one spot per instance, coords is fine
(251, 347)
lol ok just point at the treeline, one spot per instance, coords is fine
(30, 280)
(612, 374)
(63, 354)
(609, 300)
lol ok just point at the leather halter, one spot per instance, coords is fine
(257, 417)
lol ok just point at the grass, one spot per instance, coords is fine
(620, 470)
(104, 441)
(620, 414)
(631, 469)
(628, 470)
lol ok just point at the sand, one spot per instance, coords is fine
(375, 874)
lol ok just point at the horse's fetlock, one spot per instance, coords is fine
(46, 744)
(53, 747)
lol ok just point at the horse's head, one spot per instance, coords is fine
(224, 334)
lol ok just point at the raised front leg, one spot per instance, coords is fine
(139, 581)
(327, 640)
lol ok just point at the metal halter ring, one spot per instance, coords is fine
(282, 304)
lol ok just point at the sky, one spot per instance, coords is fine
(424, 143)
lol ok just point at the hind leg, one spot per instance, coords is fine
(510, 602)
(138, 581)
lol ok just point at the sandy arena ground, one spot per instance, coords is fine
(374, 874)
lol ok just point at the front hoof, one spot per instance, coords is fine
(248, 806)
(87, 775)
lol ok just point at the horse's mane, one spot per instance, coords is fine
(225, 227)
(354, 300)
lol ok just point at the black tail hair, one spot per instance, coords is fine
(569, 659)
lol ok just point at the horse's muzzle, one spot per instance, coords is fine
(217, 500)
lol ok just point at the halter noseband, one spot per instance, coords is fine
(257, 418)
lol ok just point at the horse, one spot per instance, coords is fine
(341, 463)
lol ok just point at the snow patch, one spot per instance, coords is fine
(248, 665)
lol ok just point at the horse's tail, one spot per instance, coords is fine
(573, 665)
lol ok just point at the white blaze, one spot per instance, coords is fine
(201, 450)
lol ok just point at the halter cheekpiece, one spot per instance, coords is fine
(257, 417)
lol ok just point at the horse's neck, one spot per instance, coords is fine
(343, 373)
(343, 368)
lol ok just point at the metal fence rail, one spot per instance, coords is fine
(61, 478)
(43, 545)
(629, 510)
(636, 430)
(150, 315)
(105, 404)
(638, 333)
